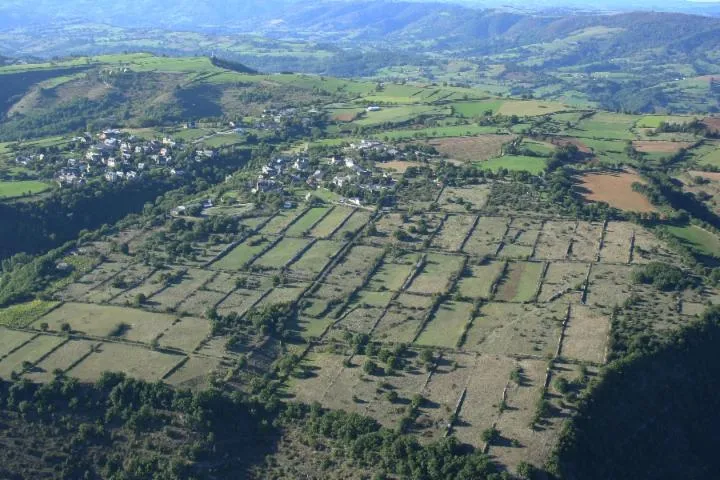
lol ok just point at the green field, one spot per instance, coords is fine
(282, 253)
(305, 223)
(473, 109)
(398, 114)
(698, 239)
(22, 188)
(534, 165)
(242, 254)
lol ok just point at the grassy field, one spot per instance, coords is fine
(22, 188)
(698, 239)
(282, 253)
(242, 254)
(303, 225)
(520, 282)
(534, 165)
(398, 114)
(446, 326)
(476, 109)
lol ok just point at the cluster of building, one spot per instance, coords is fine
(352, 168)
(114, 155)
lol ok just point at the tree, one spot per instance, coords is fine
(139, 300)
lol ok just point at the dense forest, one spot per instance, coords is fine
(654, 414)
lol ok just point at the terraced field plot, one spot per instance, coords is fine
(328, 225)
(453, 233)
(107, 321)
(447, 325)
(282, 253)
(315, 259)
(520, 282)
(487, 236)
(241, 255)
(436, 274)
(478, 280)
(304, 224)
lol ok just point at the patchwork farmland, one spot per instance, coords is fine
(468, 312)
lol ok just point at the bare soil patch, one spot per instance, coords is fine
(616, 190)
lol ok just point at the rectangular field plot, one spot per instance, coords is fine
(279, 222)
(137, 362)
(315, 259)
(478, 280)
(480, 409)
(393, 273)
(352, 225)
(355, 266)
(63, 358)
(520, 239)
(32, 351)
(107, 321)
(304, 224)
(586, 241)
(12, 339)
(535, 444)
(243, 254)
(462, 199)
(200, 301)
(195, 373)
(436, 273)
(520, 282)
(327, 226)
(586, 335)
(563, 280)
(186, 334)
(173, 295)
(398, 325)
(616, 243)
(486, 238)
(453, 233)
(555, 239)
(516, 329)
(282, 253)
(447, 325)
(405, 383)
(609, 285)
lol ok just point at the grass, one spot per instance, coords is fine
(22, 188)
(447, 325)
(306, 222)
(241, 254)
(282, 253)
(698, 239)
(398, 114)
(533, 165)
(22, 315)
(439, 132)
(472, 109)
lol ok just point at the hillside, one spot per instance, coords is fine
(638, 62)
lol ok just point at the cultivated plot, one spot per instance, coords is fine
(520, 282)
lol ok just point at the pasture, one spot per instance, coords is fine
(22, 188)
